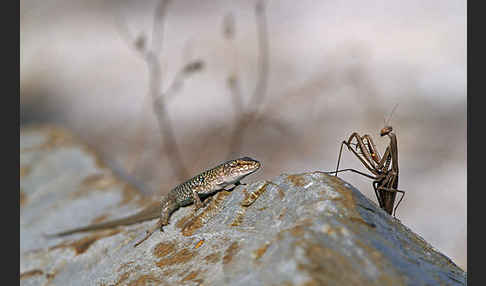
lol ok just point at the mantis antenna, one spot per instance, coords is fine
(390, 116)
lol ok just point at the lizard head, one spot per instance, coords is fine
(235, 170)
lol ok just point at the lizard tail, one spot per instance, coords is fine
(99, 226)
(153, 211)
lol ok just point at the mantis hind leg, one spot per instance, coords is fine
(351, 170)
(339, 157)
(378, 196)
(395, 191)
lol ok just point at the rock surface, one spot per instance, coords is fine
(298, 229)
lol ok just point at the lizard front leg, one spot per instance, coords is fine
(197, 201)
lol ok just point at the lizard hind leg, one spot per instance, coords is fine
(168, 207)
(150, 232)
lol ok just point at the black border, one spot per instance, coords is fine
(11, 77)
(473, 240)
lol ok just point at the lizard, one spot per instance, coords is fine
(202, 185)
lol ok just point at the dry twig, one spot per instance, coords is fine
(247, 114)
(150, 54)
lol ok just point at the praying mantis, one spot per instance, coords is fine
(384, 168)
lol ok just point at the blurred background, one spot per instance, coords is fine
(281, 81)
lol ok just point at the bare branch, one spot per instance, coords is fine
(234, 85)
(130, 40)
(276, 124)
(250, 112)
(151, 58)
(158, 25)
(261, 86)
(162, 114)
(188, 70)
(229, 26)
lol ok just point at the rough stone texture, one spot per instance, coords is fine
(299, 229)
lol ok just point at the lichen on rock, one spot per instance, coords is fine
(295, 229)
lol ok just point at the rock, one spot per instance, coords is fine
(298, 229)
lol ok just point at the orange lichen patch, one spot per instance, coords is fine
(297, 180)
(23, 198)
(260, 251)
(192, 226)
(145, 280)
(328, 230)
(125, 265)
(182, 256)
(209, 212)
(55, 137)
(230, 252)
(282, 213)
(95, 182)
(99, 219)
(100, 181)
(31, 273)
(362, 221)
(59, 137)
(371, 253)
(297, 230)
(337, 183)
(183, 221)
(169, 272)
(240, 215)
(213, 257)
(122, 278)
(24, 171)
(80, 246)
(326, 264)
(346, 199)
(248, 201)
(191, 276)
(253, 196)
(199, 244)
(309, 283)
(50, 276)
(245, 193)
(163, 249)
(106, 180)
(300, 228)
